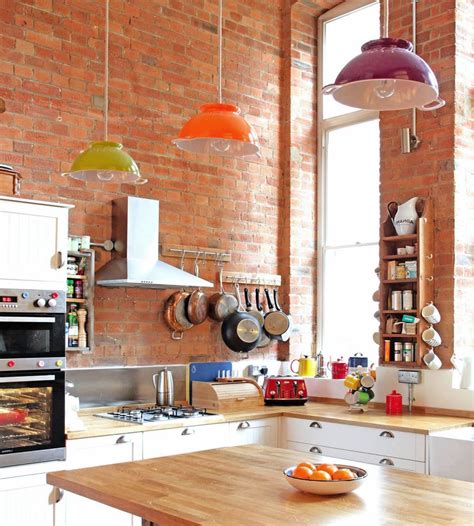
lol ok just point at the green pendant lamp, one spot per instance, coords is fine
(105, 160)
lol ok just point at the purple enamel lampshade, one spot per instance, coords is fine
(387, 75)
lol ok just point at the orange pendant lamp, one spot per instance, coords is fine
(105, 161)
(219, 129)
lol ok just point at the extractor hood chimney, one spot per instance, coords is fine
(135, 231)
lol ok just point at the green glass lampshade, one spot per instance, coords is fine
(107, 162)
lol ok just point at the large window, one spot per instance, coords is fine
(348, 231)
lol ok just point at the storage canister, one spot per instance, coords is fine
(396, 300)
(393, 403)
(397, 351)
(407, 300)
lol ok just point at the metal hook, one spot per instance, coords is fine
(196, 263)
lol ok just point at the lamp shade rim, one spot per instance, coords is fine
(219, 146)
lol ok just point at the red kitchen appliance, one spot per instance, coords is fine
(285, 390)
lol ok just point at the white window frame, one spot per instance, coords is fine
(324, 127)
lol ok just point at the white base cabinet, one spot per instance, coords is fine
(27, 501)
(360, 443)
(73, 510)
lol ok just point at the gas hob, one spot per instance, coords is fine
(154, 414)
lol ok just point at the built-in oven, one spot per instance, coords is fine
(32, 359)
(31, 416)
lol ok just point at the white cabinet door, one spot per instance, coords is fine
(386, 461)
(263, 431)
(33, 238)
(167, 442)
(73, 510)
(26, 501)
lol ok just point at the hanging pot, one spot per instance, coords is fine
(175, 314)
(286, 335)
(221, 304)
(264, 339)
(197, 303)
(276, 322)
(240, 331)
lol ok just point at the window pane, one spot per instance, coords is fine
(349, 282)
(344, 37)
(352, 184)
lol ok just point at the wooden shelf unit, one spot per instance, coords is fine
(422, 286)
(87, 301)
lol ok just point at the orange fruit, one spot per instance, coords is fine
(302, 472)
(312, 467)
(343, 474)
(328, 468)
(320, 475)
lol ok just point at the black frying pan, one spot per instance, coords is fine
(240, 331)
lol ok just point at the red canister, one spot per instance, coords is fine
(339, 370)
(393, 403)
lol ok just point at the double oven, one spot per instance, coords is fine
(32, 361)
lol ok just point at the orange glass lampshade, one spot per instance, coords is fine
(219, 129)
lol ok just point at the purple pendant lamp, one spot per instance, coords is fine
(387, 75)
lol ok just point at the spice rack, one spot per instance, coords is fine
(87, 301)
(422, 286)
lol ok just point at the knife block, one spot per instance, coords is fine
(227, 396)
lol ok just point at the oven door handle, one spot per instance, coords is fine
(12, 379)
(26, 319)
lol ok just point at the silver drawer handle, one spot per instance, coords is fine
(315, 449)
(123, 440)
(316, 424)
(387, 434)
(188, 431)
(243, 425)
(386, 462)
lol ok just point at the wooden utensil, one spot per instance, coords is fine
(197, 302)
(221, 304)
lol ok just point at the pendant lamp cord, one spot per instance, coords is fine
(385, 18)
(413, 113)
(106, 76)
(220, 49)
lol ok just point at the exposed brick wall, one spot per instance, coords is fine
(464, 179)
(163, 65)
(429, 170)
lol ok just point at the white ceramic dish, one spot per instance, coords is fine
(327, 487)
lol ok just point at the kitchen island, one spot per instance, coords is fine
(244, 485)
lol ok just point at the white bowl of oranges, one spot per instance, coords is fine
(325, 479)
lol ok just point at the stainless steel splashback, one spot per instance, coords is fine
(122, 385)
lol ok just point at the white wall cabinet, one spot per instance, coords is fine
(73, 510)
(33, 237)
(27, 501)
(367, 444)
(167, 442)
(263, 431)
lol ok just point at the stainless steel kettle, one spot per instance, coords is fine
(164, 387)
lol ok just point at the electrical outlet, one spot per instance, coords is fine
(409, 377)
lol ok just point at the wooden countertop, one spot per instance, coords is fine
(245, 485)
(416, 423)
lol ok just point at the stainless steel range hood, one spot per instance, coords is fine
(135, 231)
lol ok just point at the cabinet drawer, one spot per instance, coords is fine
(100, 451)
(262, 431)
(373, 440)
(184, 440)
(399, 463)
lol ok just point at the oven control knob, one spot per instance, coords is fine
(25, 295)
(11, 363)
(52, 303)
(59, 363)
(40, 363)
(54, 295)
(41, 302)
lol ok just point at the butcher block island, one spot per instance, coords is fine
(244, 485)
